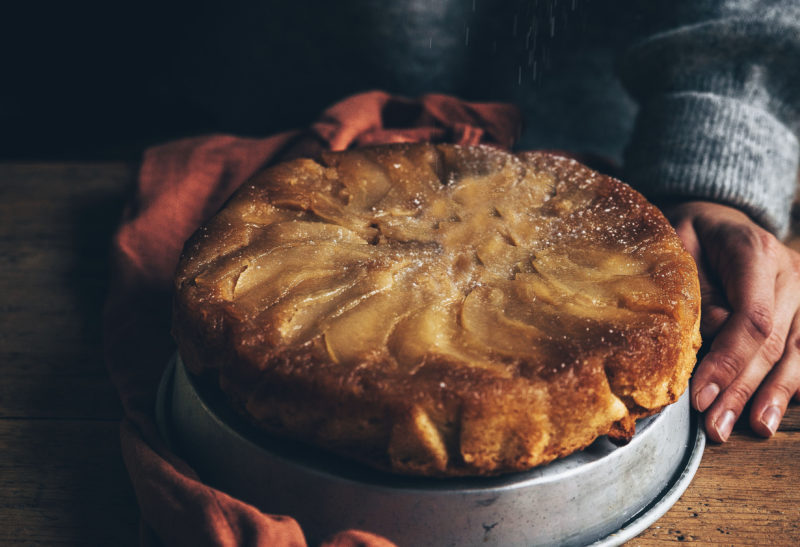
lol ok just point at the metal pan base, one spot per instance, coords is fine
(603, 495)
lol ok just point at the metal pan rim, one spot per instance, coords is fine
(381, 484)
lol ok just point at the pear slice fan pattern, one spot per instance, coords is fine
(440, 310)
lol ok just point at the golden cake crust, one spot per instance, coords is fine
(440, 310)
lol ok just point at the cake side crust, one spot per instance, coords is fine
(440, 310)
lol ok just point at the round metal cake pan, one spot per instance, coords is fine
(603, 495)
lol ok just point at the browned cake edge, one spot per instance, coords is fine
(448, 420)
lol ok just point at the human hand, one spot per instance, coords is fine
(750, 292)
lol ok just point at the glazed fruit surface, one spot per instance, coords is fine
(440, 310)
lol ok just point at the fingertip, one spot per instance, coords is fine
(704, 396)
(719, 425)
(766, 421)
(769, 420)
(724, 424)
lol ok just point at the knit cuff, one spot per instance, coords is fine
(706, 146)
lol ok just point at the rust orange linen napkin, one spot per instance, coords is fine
(180, 185)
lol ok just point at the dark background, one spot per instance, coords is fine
(102, 80)
(94, 80)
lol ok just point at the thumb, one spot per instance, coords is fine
(715, 307)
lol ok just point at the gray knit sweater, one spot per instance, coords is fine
(716, 83)
(719, 89)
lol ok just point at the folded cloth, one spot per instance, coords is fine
(180, 185)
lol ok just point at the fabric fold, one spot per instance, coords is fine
(180, 185)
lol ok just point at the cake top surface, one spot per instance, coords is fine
(466, 250)
(401, 271)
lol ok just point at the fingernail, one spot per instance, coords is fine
(706, 396)
(724, 424)
(771, 418)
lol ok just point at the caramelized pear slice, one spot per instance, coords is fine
(262, 213)
(225, 271)
(294, 318)
(405, 229)
(416, 441)
(310, 232)
(499, 257)
(291, 185)
(569, 303)
(365, 180)
(333, 211)
(272, 275)
(427, 331)
(608, 280)
(486, 325)
(358, 334)
(412, 177)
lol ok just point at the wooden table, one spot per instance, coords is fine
(62, 481)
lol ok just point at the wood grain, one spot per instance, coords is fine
(62, 481)
(55, 226)
(745, 493)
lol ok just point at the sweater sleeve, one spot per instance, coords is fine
(718, 85)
